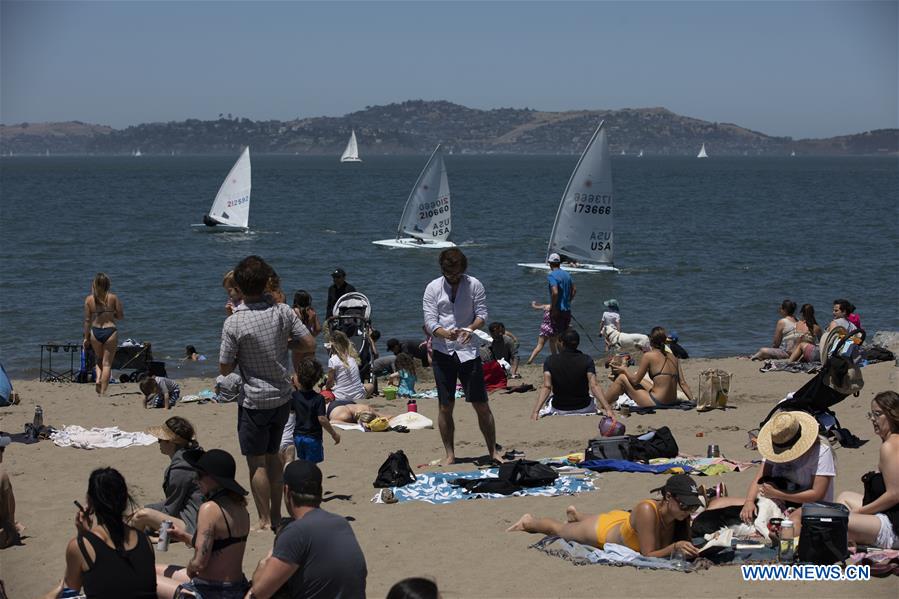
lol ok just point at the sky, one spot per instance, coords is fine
(802, 69)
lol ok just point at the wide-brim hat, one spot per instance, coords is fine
(165, 433)
(787, 436)
(218, 464)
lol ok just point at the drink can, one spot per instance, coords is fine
(625, 409)
(713, 451)
(163, 543)
(411, 406)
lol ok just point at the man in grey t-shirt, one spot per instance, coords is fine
(317, 554)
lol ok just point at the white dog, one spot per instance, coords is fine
(629, 342)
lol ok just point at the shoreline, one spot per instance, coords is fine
(417, 538)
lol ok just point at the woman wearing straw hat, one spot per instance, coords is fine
(182, 494)
(216, 569)
(798, 466)
(655, 527)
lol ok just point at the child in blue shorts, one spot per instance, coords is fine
(309, 407)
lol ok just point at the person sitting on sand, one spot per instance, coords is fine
(546, 331)
(842, 316)
(102, 309)
(160, 392)
(344, 380)
(315, 555)
(182, 493)
(10, 530)
(216, 569)
(663, 369)
(874, 517)
(798, 466)
(569, 382)
(807, 335)
(404, 378)
(504, 346)
(655, 527)
(107, 557)
(191, 354)
(781, 344)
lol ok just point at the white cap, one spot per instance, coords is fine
(554, 258)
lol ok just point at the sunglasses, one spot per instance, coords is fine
(874, 415)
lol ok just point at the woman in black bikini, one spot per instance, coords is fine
(216, 569)
(664, 370)
(101, 311)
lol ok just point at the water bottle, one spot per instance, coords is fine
(162, 544)
(38, 419)
(786, 548)
(411, 406)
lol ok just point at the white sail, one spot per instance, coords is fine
(232, 203)
(583, 227)
(640, 155)
(427, 214)
(702, 153)
(351, 153)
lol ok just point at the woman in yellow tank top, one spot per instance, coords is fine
(655, 527)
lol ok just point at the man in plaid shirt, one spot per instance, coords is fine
(255, 339)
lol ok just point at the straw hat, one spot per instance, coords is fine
(167, 434)
(787, 436)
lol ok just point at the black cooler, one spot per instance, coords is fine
(825, 533)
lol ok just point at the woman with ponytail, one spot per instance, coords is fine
(101, 311)
(663, 369)
(107, 558)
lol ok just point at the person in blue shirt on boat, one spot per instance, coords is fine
(561, 291)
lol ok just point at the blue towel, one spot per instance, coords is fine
(436, 488)
(626, 466)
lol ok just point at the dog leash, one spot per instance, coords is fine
(589, 338)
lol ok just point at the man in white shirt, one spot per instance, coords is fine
(454, 305)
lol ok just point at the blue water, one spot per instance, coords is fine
(708, 248)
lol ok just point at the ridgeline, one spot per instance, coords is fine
(416, 126)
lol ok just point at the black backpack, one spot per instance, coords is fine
(661, 445)
(395, 471)
(527, 473)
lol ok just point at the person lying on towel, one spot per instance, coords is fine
(655, 527)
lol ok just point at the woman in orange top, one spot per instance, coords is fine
(655, 527)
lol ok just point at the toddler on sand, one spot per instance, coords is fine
(160, 392)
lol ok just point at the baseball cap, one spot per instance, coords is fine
(554, 258)
(684, 488)
(304, 477)
(338, 272)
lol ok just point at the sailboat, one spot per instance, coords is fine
(640, 155)
(793, 154)
(582, 231)
(351, 154)
(230, 211)
(427, 219)
(702, 153)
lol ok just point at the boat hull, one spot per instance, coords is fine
(411, 242)
(588, 268)
(201, 228)
(351, 160)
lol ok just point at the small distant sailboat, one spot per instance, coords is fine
(640, 155)
(351, 153)
(702, 153)
(623, 153)
(427, 218)
(137, 153)
(582, 232)
(793, 154)
(230, 211)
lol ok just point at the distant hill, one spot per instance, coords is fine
(416, 126)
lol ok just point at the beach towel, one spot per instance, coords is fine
(883, 562)
(785, 366)
(99, 438)
(611, 555)
(680, 465)
(436, 487)
(432, 394)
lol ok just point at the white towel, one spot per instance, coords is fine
(97, 438)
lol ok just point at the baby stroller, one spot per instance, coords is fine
(352, 316)
(838, 378)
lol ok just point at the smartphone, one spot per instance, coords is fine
(79, 506)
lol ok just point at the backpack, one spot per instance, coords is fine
(527, 473)
(395, 471)
(660, 445)
(609, 448)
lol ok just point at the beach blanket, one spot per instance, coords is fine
(432, 394)
(99, 438)
(679, 465)
(883, 562)
(785, 366)
(611, 555)
(624, 400)
(436, 488)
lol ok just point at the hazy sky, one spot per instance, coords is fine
(805, 69)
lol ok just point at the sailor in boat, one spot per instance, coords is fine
(568, 261)
(209, 221)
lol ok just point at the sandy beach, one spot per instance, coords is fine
(462, 545)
